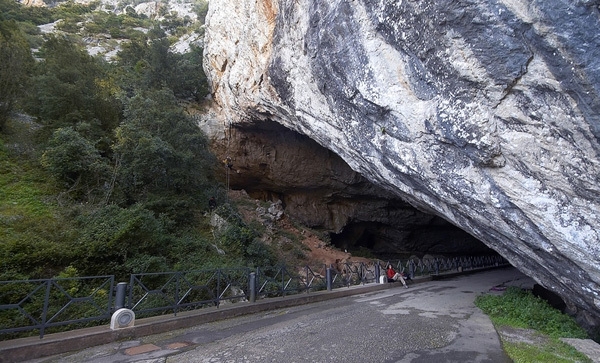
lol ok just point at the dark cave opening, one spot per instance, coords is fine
(317, 188)
(436, 237)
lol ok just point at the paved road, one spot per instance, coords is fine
(435, 321)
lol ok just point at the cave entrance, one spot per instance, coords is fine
(320, 190)
(433, 236)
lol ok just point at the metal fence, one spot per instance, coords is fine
(27, 305)
(67, 303)
(179, 291)
(415, 267)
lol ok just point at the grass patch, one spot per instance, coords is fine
(519, 308)
(554, 351)
(33, 232)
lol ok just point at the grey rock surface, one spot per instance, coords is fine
(485, 113)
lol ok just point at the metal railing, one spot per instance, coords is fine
(29, 305)
(281, 281)
(42, 304)
(177, 291)
(414, 267)
(355, 273)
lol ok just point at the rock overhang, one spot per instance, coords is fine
(484, 112)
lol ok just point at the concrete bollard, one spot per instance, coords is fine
(120, 295)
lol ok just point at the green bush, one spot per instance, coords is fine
(70, 156)
(38, 15)
(520, 308)
(16, 63)
(34, 235)
(111, 236)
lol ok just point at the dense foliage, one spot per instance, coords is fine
(16, 62)
(117, 175)
(37, 15)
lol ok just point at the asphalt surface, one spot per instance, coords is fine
(433, 321)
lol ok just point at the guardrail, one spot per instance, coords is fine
(434, 266)
(27, 305)
(177, 291)
(54, 304)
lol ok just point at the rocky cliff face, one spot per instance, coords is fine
(318, 189)
(484, 113)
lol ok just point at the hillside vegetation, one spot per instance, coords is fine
(102, 171)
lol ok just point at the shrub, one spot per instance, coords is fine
(519, 308)
(70, 156)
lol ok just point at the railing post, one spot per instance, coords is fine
(218, 291)
(130, 291)
(411, 269)
(120, 295)
(437, 267)
(282, 271)
(328, 278)
(45, 311)
(252, 287)
(177, 282)
(307, 279)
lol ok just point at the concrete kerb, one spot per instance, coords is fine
(22, 349)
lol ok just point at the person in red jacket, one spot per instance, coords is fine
(392, 276)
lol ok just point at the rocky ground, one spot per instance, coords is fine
(316, 249)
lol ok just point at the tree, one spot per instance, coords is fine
(163, 157)
(71, 88)
(189, 78)
(147, 63)
(13, 10)
(72, 159)
(150, 64)
(15, 64)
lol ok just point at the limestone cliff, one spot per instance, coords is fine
(484, 113)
